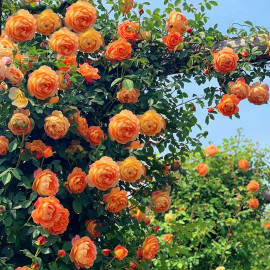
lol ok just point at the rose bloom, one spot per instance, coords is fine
(51, 215)
(46, 183)
(253, 186)
(131, 169)
(90, 41)
(135, 145)
(225, 60)
(21, 26)
(149, 247)
(20, 123)
(168, 238)
(172, 40)
(220, 268)
(169, 217)
(14, 75)
(83, 253)
(43, 83)
(88, 72)
(202, 168)
(144, 35)
(128, 30)
(259, 94)
(68, 61)
(4, 143)
(47, 152)
(47, 22)
(128, 96)
(23, 268)
(240, 89)
(36, 146)
(267, 225)
(3, 68)
(82, 126)
(161, 201)
(64, 42)
(76, 181)
(80, 16)
(56, 125)
(151, 123)
(63, 80)
(120, 252)
(103, 174)
(94, 135)
(124, 127)
(116, 200)
(127, 6)
(253, 203)
(243, 164)
(177, 22)
(137, 213)
(74, 148)
(228, 105)
(106, 252)
(211, 150)
(90, 225)
(118, 50)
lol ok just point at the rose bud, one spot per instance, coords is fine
(155, 228)
(189, 30)
(35, 266)
(61, 253)
(210, 110)
(41, 240)
(141, 11)
(206, 71)
(106, 252)
(193, 108)
(244, 53)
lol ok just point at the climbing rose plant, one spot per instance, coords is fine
(90, 92)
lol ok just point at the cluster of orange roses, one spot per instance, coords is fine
(256, 94)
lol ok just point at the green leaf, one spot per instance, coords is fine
(116, 81)
(8, 221)
(76, 204)
(16, 173)
(6, 178)
(13, 145)
(128, 84)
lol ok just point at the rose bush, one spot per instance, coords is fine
(88, 99)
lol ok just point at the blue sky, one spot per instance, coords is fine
(255, 120)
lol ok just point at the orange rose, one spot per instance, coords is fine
(228, 105)
(3, 68)
(64, 42)
(127, 6)
(253, 203)
(118, 50)
(23, 268)
(63, 80)
(46, 183)
(240, 89)
(225, 60)
(88, 72)
(82, 126)
(76, 181)
(80, 16)
(51, 215)
(138, 214)
(202, 168)
(144, 35)
(124, 127)
(177, 22)
(36, 146)
(90, 41)
(20, 123)
(161, 201)
(135, 145)
(47, 152)
(53, 100)
(74, 148)
(150, 247)
(94, 135)
(128, 30)
(14, 75)
(168, 238)
(253, 186)
(83, 253)
(47, 22)
(267, 225)
(103, 174)
(56, 125)
(21, 26)
(243, 164)
(68, 61)
(210, 150)
(43, 83)
(131, 169)
(4, 143)
(116, 200)
(172, 40)
(151, 123)
(259, 94)
(90, 225)
(120, 252)
(128, 96)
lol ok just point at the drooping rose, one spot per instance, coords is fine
(240, 89)
(37, 147)
(177, 22)
(88, 72)
(135, 145)
(258, 94)
(68, 61)
(228, 105)
(91, 225)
